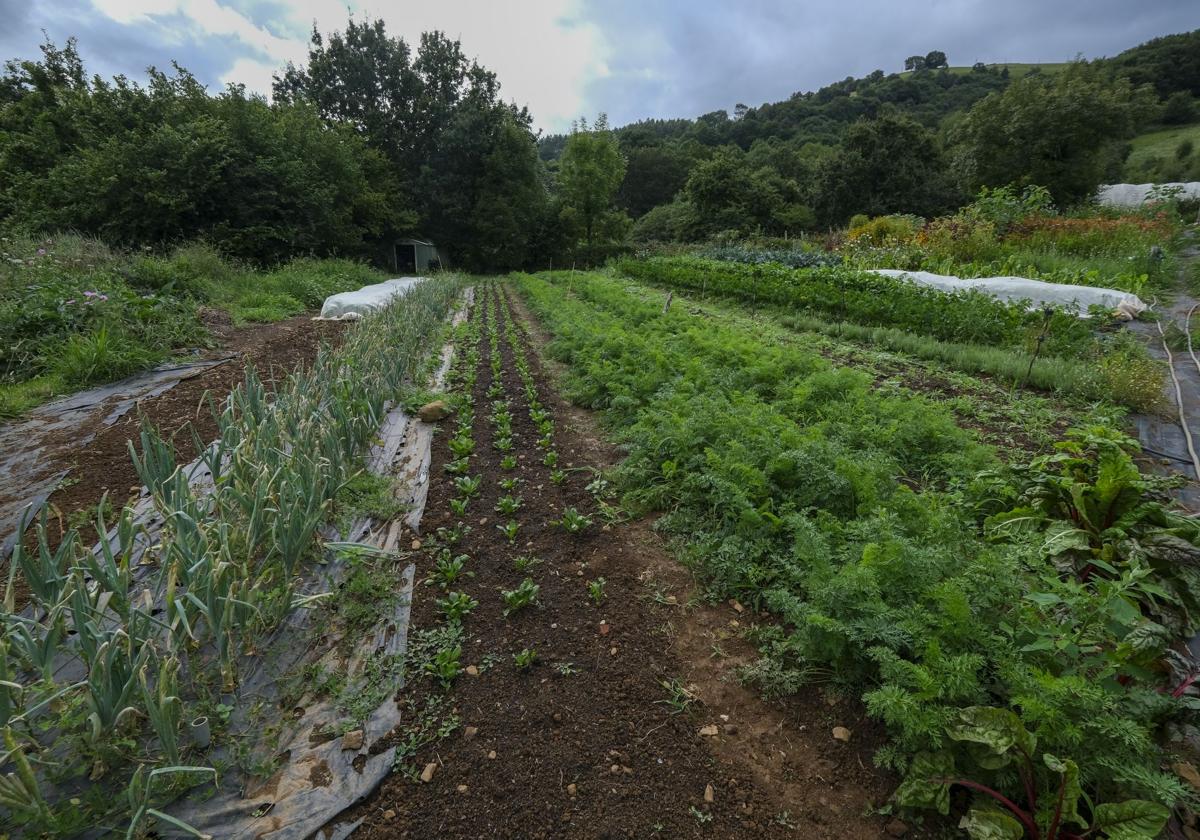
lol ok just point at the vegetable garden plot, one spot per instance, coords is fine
(543, 664)
(174, 631)
(24, 481)
(1018, 599)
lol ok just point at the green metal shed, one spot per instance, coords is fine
(416, 256)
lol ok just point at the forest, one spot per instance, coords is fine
(350, 153)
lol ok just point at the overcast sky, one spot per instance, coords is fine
(630, 58)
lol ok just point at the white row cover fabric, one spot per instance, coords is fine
(1135, 195)
(1037, 292)
(348, 306)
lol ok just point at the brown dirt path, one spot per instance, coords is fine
(584, 744)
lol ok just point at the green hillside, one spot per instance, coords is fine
(1157, 155)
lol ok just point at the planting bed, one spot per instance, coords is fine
(602, 735)
(102, 464)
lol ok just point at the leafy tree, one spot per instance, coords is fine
(914, 62)
(1179, 109)
(589, 175)
(437, 117)
(654, 175)
(886, 165)
(1060, 131)
(1170, 64)
(666, 223)
(510, 202)
(151, 165)
(935, 60)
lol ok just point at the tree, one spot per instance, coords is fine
(510, 200)
(914, 62)
(438, 118)
(589, 174)
(1179, 109)
(728, 193)
(887, 165)
(654, 175)
(153, 165)
(936, 59)
(1061, 131)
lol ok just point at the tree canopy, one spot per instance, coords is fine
(1061, 132)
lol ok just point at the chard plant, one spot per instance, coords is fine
(448, 571)
(1055, 806)
(456, 606)
(524, 562)
(510, 529)
(468, 486)
(458, 467)
(596, 590)
(446, 665)
(508, 505)
(572, 521)
(518, 599)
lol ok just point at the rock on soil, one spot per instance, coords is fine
(434, 411)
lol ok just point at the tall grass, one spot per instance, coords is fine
(73, 312)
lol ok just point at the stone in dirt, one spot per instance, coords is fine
(389, 814)
(896, 828)
(472, 671)
(709, 793)
(434, 411)
(462, 788)
(841, 733)
(492, 755)
(427, 773)
(571, 789)
(470, 732)
(709, 731)
(353, 740)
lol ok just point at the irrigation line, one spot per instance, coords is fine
(1188, 329)
(1179, 393)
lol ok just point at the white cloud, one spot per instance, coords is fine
(543, 52)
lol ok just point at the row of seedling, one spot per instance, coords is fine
(149, 625)
(572, 521)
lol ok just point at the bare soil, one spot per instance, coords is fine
(595, 749)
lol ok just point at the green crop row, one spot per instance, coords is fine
(971, 606)
(871, 300)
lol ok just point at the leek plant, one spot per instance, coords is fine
(222, 565)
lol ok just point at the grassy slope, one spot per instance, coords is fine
(1160, 143)
(74, 313)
